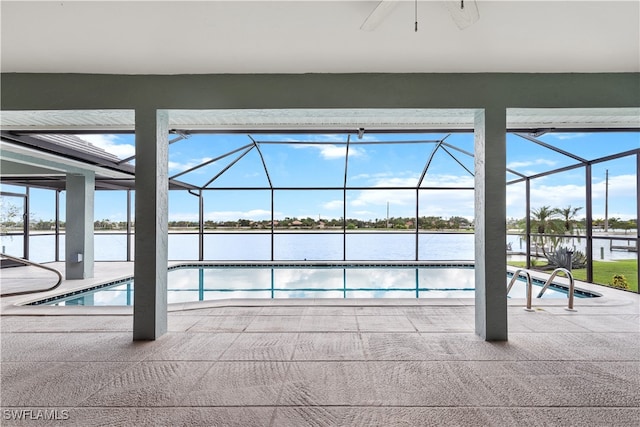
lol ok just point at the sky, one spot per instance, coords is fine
(314, 160)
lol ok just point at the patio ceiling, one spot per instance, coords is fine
(321, 36)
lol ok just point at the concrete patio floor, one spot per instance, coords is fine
(324, 363)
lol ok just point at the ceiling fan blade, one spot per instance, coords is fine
(463, 12)
(375, 18)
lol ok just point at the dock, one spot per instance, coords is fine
(623, 248)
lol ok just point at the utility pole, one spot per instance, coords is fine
(387, 214)
(606, 202)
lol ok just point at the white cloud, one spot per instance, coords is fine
(373, 177)
(179, 167)
(557, 195)
(563, 136)
(382, 197)
(622, 201)
(332, 152)
(333, 205)
(620, 186)
(397, 181)
(447, 203)
(177, 216)
(363, 214)
(448, 181)
(409, 179)
(443, 203)
(526, 164)
(110, 144)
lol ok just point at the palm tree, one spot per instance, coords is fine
(568, 216)
(542, 217)
(569, 225)
(545, 220)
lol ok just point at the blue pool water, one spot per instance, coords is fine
(198, 283)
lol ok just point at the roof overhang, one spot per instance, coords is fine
(305, 120)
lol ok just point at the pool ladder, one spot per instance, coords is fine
(555, 272)
(33, 264)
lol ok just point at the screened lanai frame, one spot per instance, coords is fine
(256, 143)
(587, 164)
(175, 184)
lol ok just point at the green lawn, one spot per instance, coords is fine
(603, 271)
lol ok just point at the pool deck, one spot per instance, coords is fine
(321, 362)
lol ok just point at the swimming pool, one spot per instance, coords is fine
(187, 283)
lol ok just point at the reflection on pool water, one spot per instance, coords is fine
(187, 284)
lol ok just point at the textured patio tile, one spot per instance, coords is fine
(541, 321)
(238, 384)
(154, 383)
(376, 383)
(625, 307)
(451, 416)
(398, 323)
(195, 346)
(468, 346)
(380, 417)
(227, 323)
(55, 384)
(235, 311)
(274, 324)
(451, 322)
(69, 323)
(549, 383)
(181, 323)
(395, 346)
(77, 346)
(329, 346)
(329, 383)
(261, 346)
(283, 311)
(604, 323)
(432, 383)
(550, 416)
(330, 311)
(444, 375)
(328, 323)
(181, 311)
(381, 310)
(13, 324)
(578, 346)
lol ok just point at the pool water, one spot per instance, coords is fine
(187, 284)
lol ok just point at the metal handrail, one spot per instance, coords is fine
(515, 277)
(33, 264)
(571, 285)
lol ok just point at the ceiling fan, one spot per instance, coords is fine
(463, 12)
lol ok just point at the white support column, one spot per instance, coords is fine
(152, 193)
(79, 226)
(490, 224)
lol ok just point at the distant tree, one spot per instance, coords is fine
(542, 219)
(8, 215)
(568, 216)
(551, 225)
(308, 222)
